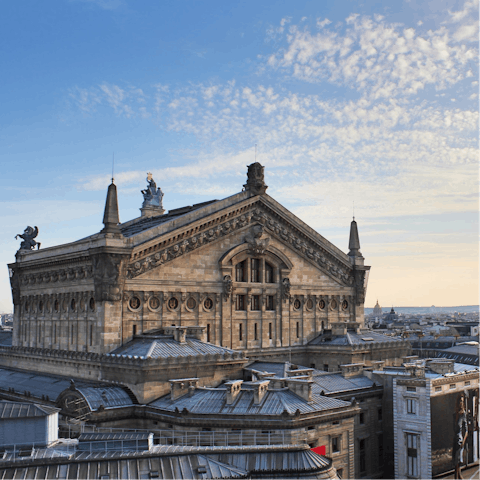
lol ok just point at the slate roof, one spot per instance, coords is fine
(464, 349)
(24, 410)
(336, 383)
(323, 381)
(53, 385)
(128, 468)
(279, 369)
(6, 337)
(209, 401)
(177, 463)
(129, 229)
(353, 338)
(109, 397)
(289, 461)
(164, 346)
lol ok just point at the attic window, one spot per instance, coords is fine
(368, 339)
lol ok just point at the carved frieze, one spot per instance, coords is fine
(79, 272)
(109, 276)
(263, 221)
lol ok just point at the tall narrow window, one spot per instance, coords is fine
(240, 302)
(240, 271)
(91, 334)
(255, 331)
(270, 305)
(208, 332)
(255, 270)
(240, 332)
(412, 458)
(380, 449)
(71, 334)
(54, 333)
(298, 329)
(411, 406)
(362, 452)
(255, 302)
(268, 273)
(335, 444)
(270, 331)
(134, 330)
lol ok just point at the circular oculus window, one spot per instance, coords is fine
(309, 304)
(172, 303)
(91, 304)
(344, 305)
(321, 304)
(333, 304)
(208, 303)
(56, 305)
(191, 303)
(73, 305)
(297, 304)
(154, 303)
(134, 303)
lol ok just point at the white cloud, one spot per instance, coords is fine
(376, 58)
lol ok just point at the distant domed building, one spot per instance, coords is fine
(377, 310)
(391, 317)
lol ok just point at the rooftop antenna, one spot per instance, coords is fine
(354, 209)
(113, 165)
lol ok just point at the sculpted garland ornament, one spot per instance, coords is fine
(257, 241)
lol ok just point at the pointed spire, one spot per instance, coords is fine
(110, 217)
(354, 243)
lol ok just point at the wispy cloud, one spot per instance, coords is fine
(392, 151)
(377, 58)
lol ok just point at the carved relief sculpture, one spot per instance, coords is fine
(286, 287)
(227, 286)
(108, 277)
(257, 240)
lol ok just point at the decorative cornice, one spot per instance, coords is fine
(258, 213)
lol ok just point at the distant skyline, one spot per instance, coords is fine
(356, 107)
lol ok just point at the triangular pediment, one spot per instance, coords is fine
(204, 227)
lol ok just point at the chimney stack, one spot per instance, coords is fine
(233, 389)
(260, 389)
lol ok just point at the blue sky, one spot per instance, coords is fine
(372, 103)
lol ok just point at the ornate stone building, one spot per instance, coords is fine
(245, 269)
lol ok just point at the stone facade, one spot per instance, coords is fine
(245, 268)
